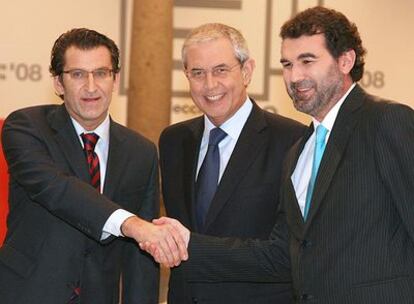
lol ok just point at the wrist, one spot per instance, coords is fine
(131, 227)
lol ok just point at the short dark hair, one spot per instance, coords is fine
(84, 39)
(341, 35)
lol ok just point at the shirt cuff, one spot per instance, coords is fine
(114, 222)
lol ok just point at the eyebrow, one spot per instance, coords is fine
(216, 66)
(301, 56)
(307, 55)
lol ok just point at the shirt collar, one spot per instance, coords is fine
(330, 118)
(102, 130)
(234, 124)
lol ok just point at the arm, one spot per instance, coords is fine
(213, 259)
(394, 147)
(229, 259)
(38, 167)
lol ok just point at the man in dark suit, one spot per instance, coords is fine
(218, 66)
(352, 240)
(67, 210)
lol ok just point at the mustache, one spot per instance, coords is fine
(303, 84)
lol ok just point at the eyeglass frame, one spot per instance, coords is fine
(212, 70)
(86, 73)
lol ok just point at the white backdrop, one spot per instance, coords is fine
(29, 28)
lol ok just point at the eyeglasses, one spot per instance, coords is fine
(220, 71)
(82, 76)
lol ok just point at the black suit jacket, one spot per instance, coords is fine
(55, 222)
(245, 203)
(357, 245)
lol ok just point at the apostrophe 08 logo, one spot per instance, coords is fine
(20, 71)
(375, 79)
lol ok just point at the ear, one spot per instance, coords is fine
(347, 61)
(58, 84)
(116, 82)
(247, 71)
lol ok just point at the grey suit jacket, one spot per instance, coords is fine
(53, 243)
(245, 203)
(357, 245)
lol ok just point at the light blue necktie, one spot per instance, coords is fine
(320, 144)
(207, 179)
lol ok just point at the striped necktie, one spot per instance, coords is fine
(89, 142)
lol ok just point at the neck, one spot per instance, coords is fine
(325, 110)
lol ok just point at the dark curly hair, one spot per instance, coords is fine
(84, 39)
(341, 35)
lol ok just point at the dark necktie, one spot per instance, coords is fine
(89, 142)
(207, 179)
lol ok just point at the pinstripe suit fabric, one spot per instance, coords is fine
(357, 245)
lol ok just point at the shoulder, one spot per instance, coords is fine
(276, 120)
(385, 112)
(33, 111)
(134, 139)
(283, 127)
(182, 130)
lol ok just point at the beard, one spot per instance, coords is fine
(326, 93)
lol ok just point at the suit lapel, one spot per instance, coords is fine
(250, 142)
(296, 221)
(117, 161)
(69, 142)
(343, 127)
(191, 149)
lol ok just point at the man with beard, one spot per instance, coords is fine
(345, 229)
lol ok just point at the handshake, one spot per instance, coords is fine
(166, 239)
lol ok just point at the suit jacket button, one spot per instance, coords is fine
(306, 297)
(195, 300)
(306, 243)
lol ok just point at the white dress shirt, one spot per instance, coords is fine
(233, 128)
(114, 222)
(302, 173)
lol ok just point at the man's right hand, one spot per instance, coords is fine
(157, 252)
(165, 241)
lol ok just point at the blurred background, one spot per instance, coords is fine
(154, 91)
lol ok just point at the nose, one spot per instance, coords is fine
(296, 74)
(91, 85)
(210, 81)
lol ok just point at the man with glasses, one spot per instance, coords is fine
(78, 182)
(345, 230)
(221, 171)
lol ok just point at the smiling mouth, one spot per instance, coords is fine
(214, 97)
(90, 99)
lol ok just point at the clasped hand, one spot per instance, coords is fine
(166, 239)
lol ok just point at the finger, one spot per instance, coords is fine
(164, 247)
(160, 221)
(179, 240)
(172, 245)
(146, 246)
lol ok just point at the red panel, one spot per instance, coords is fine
(3, 192)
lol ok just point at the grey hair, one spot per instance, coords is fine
(213, 31)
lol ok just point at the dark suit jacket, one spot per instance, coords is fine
(245, 203)
(56, 218)
(357, 245)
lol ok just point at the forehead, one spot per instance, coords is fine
(210, 53)
(292, 48)
(87, 59)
